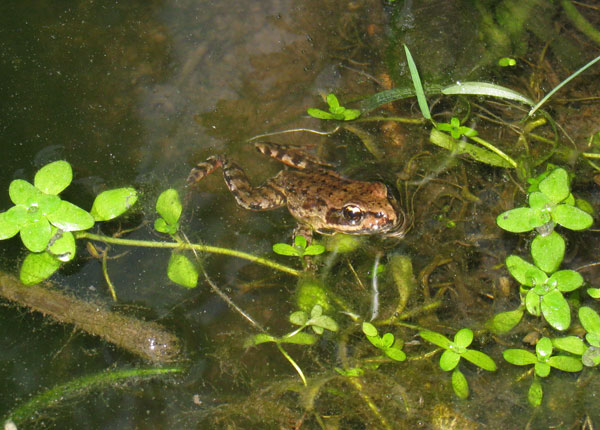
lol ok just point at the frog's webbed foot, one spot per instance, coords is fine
(293, 156)
(260, 198)
(202, 170)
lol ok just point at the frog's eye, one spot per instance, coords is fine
(352, 213)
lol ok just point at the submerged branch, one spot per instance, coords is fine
(147, 340)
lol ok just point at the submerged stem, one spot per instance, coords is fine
(192, 246)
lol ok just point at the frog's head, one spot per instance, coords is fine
(376, 211)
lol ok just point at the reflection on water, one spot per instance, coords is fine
(137, 93)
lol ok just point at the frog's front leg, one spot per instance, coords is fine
(260, 198)
(303, 230)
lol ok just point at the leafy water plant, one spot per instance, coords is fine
(591, 323)
(454, 351)
(387, 343)
(299, 249)
(335, 110)
(543, 361)
(551, 203)
(46, 223)
(455, 129)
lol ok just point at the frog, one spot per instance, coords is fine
(318, 197)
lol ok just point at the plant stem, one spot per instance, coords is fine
(76, 386)
(197, 247)
(292, 362)
(580, 22)
(392, 118)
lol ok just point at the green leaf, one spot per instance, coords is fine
(258, 339)
(53, 178)
(519, 357)
(594, 293)
(314, 249)
(589, 319)
(538, 200)
(300, 241)
(317, 329)
(571, 217)
(542, 369)
(36, 235)
(566, 280)
(169, 206)
(369, 329)
(325, 322)
(486, 89)
(316, 311)
(449, 360)
(17, 215)
(533, 303)
(435, 338)
(7, 228)
(112, 203)
(350, 114)
(182, 271)
(585, 206)
(416, 80)
(387, 340)
(525, 273)
(332, 101)
(463, 337)
(395, 354)
(21, 192)
(62, 245)
(285, 249)
(556, 310)
(480, 359)
(556, 185)
(535, 394)
(161, 226)
(38, 267)
(571, 344)
(300, 338)
(591, 357)
(548, 251)
(543, 348)
(47, 204)
(504, 322)
(520, 220)
(376, 341)
(318, 113)
(69, 217)
(593, 339)
(298, 318)
(565, 363)
(460, 384)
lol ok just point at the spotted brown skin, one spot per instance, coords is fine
(317, 197)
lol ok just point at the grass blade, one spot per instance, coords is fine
(414, 74)
(562, 84)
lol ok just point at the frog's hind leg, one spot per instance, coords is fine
(293, 156)
(260, 198)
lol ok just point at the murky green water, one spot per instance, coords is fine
(136, 93)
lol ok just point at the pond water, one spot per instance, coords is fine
(136, 93)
